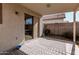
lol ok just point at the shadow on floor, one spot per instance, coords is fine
(13, 52)
(58, 38)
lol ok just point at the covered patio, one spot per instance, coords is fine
(47, 9)
(15, 33)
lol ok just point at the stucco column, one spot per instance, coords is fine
(41, 27)
(35, 27)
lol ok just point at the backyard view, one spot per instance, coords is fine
(56, 37)
(39, 29)
(60, 34)
(64, 29)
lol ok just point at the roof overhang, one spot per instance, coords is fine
(54, 16)
(52, 8)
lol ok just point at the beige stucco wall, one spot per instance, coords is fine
(12, 28)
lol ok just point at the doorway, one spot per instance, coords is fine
(28, 27)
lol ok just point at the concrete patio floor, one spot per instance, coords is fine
(76, 50)
(47, 46)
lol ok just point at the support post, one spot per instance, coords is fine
(74, 33)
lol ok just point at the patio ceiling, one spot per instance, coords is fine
(45, 8)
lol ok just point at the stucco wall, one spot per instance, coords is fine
(36, 27)
(12, 28)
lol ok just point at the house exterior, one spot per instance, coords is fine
(12, 24)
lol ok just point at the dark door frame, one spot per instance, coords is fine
(28, 16)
